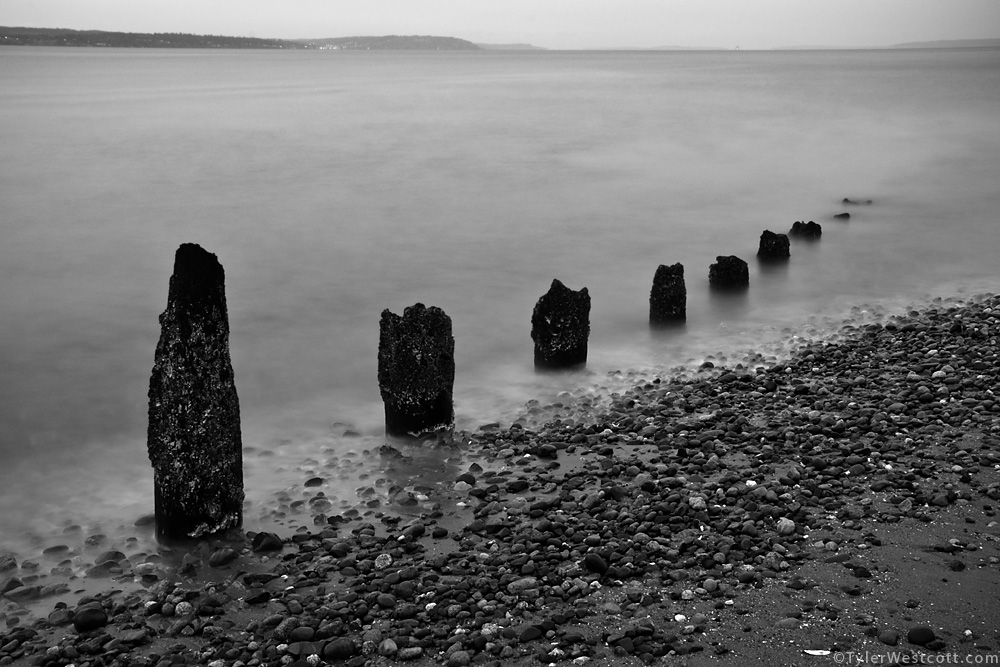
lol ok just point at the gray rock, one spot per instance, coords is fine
(340, 649)
(889, 637)
(264, 541)
(89, 617)
(7, 562)
(222, 556)
(920, 635)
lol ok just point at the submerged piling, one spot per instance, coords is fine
(560, 327)
(668, 297)
(773, 247)
(729, 272)
(416, 370)
(194, 439)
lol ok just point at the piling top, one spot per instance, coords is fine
(198, 284)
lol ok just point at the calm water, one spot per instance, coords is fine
(334, 185)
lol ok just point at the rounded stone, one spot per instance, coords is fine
(340, 649)
(89, 617)
(920, 635)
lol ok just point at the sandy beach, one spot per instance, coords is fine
(838, 506)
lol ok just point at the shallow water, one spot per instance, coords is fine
(334, 185)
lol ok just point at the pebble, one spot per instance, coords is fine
(889, 637)
(920, 635)
(89, 617)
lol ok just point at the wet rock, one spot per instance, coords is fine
(222, 556)
(560, 327)
(89, 617)
(341, 648)
(194, 439)
(594, 562)
(889, 637)
(22, 593)
(844, 217)
(416, 370)
(668, 297)
(60, 617)
(10, 584)
(264, 541)
(110, 556)
(773, 247)
(7, 562)
(410, 653)
(920, 635)
(729, 272)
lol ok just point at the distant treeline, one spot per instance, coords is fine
(165, 40)
(157, 40)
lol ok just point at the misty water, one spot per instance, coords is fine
(333, 185)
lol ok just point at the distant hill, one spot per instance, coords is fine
(15, 36)
(160, 40)
(391, 43)
(949, 44)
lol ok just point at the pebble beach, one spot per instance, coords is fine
(837, 505)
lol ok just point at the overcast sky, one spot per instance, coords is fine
(557, 24)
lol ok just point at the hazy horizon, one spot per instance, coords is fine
(554, 24)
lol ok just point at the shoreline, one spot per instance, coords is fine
(584, 530)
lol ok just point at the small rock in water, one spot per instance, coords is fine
(222, 556)
(264, 541)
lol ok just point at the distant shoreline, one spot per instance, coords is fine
(24, 36)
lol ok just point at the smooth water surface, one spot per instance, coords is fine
(333, 185)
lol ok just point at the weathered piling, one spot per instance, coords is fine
(729, 272)
(416, 370)
(668, 297)
(560, 327)
(194, 439)
(773, 247)
(806, 230)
